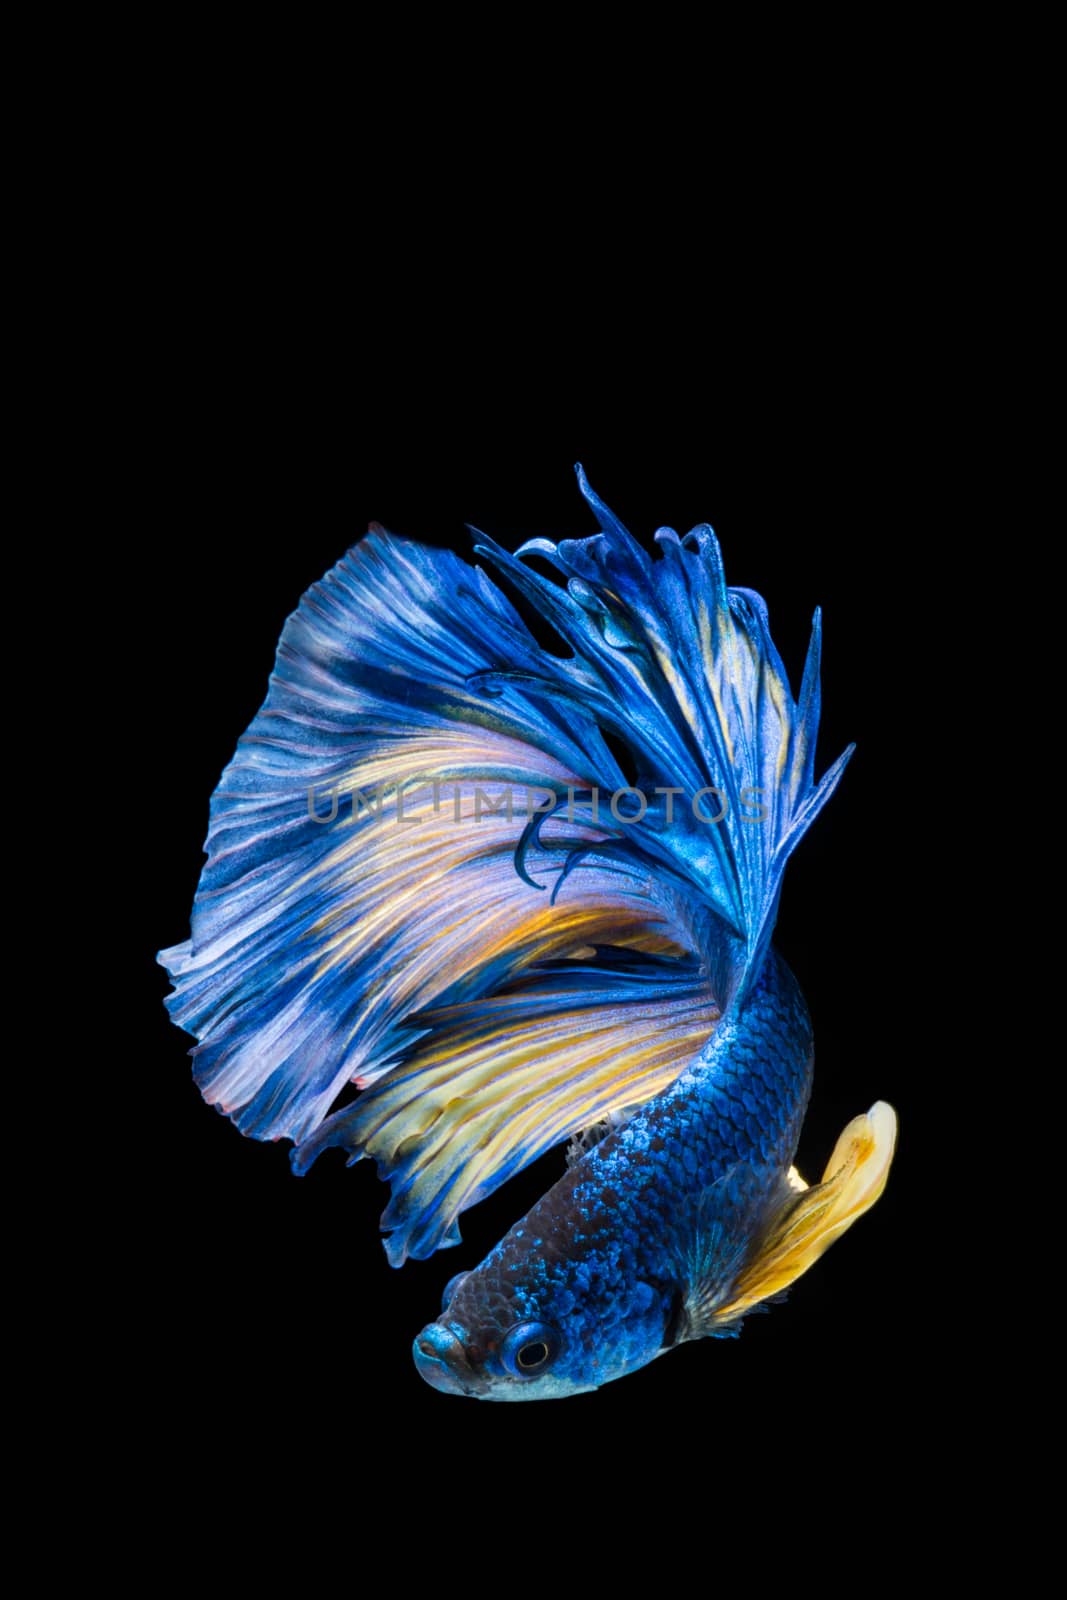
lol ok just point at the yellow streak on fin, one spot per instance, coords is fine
(812, 1218)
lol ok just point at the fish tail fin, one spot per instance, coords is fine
(683, 671)
(481, 881)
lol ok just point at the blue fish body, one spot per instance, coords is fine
(675, 1198)
(592, 963)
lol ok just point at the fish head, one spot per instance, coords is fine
(534, 1322)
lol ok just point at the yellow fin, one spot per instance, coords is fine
(811, 1219)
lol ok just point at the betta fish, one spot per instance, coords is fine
(515, 882)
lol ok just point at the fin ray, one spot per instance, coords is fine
(807, 1221)
(337, 938)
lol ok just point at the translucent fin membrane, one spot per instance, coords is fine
(379, 909)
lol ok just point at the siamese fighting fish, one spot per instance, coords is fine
(515, 880)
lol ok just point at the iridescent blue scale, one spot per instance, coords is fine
(674, 1194)
(375, 911)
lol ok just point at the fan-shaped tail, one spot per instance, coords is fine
(428, 877)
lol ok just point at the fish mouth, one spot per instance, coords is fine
(442, 1361)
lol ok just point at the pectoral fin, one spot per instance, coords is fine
(809, 1220)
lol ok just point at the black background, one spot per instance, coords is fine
(281, 1312)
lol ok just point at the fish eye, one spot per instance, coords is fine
(530, 1349)
(450, 1288)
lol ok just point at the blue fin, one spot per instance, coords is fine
(495, 1083)
(684, 671)
(375, 912)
